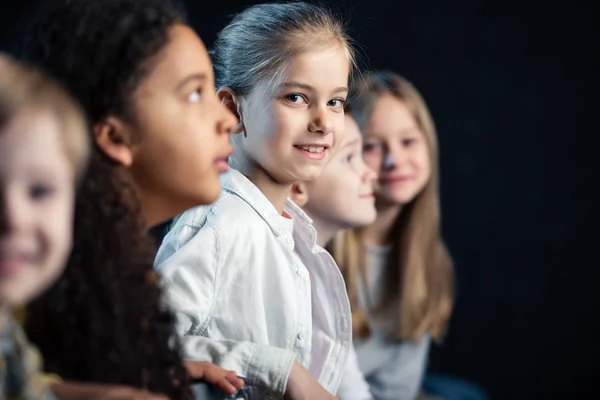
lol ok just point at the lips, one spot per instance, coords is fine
(12, 264)
(222, 163)
(395, 179)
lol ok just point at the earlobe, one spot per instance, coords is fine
(299, 194)
(233, 102)
(111, 136)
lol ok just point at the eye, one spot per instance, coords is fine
(408, 141)
(194, 97)
(370, 147)
(296, 98)
(337, 103)
(40, 191)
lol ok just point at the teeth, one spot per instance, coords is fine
(313, 149)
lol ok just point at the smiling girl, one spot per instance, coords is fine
(254, 291)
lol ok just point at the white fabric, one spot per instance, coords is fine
(251, 294)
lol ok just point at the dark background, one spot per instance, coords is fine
(513, 90)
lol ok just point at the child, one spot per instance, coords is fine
(43, 152)
(253, 290)
(342, 198)
(161, 141)
(398, 271)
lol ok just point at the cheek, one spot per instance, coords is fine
(57, 231)
(423, 161)
(372, 161)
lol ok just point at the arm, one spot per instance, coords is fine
(191, 276)
(354, 386)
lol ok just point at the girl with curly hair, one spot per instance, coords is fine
(161, 139)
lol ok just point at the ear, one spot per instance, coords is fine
(299, 194)
(113, 137)
(233, 102)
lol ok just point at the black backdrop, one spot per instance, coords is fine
(514, 93)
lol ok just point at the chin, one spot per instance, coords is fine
(399, 197)
(309, 174)
(208, 195)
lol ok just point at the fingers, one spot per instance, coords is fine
(225, 386)
(235, 380)
(227, 381)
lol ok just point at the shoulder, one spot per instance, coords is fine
(209, 229)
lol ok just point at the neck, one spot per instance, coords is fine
(325, 231)
(377, 233)
(153, 211)
(276, 192)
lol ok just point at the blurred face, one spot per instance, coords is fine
(396, 149)
(36, 207)
(293, 133)
(184, 128)
(343, 195)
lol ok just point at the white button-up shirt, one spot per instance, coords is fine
(253, 291)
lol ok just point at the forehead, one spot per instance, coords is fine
(183, 55)
(325, 68)
(31, 137)
(351, 131)
(390, 114)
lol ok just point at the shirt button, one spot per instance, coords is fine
(288, 240)
(301, 336)
(343, 325)
(300, 272)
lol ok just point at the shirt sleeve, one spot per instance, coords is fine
(353, 386)
(191, 278)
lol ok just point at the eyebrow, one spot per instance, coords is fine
(341, 89)
(199, 76)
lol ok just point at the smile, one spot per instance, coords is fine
(315, 151)
(312, 149)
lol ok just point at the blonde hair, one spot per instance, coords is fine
(24, 88)
(419, 279)
(260, 42)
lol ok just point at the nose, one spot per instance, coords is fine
(394, 157)
(369, 175)
(227, 121)
(321, 121)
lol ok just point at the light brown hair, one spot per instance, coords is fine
(26, 89)
(419, 279)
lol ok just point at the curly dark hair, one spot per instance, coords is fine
(105, 320)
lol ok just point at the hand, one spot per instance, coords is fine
(302, 385)
(89, 391)
(225, 380)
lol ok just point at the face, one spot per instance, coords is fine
(397, 150)
(292, 134)
(184, 128)
(343, 194)
(36, 207)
